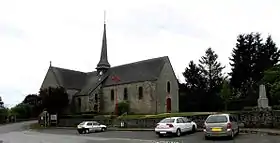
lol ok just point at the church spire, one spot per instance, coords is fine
(103, 64)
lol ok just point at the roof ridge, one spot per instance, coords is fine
(69, 69)
(143, 61)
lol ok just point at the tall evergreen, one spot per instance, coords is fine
(250, 58)
(212, 72)
(211, 69)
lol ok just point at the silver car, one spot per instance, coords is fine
(221, 125)
(90, 126)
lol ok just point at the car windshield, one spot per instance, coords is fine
(167, 121)
(82, 123)
(216, 119)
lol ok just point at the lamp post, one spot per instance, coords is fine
(116, 79)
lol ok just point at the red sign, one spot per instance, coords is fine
(115, 78)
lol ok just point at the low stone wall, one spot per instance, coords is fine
(250, 119)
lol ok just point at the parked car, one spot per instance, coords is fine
(90, 126)
(221, 125)
(175, 125)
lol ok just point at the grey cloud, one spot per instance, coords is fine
(150, 21)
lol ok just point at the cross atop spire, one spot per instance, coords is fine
(103, 64)
(104, 16)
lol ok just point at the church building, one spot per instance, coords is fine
(150, 86)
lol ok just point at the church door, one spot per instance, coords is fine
(168, 105)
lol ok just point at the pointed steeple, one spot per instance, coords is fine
(103, 64)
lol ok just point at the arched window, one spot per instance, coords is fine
(96, 98)
(168, 87)
(79, 104)
(140, 92)
(112, 95)
(125, 97)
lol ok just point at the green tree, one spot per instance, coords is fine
(226, 93)
(250, 58)
(54, 100)
(34, 101)
(194, 89)
(271, 79)
(22, 111)
(267, 56)
(212, 72)
(194, 77)
(123, 107)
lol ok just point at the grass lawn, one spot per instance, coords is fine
(36, 126)
(164, 115)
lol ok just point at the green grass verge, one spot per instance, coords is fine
(164, 115)
(36, 126)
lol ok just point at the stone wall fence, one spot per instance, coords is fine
(250, 119)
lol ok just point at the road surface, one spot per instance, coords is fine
(19, 133)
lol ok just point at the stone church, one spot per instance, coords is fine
(150, 86)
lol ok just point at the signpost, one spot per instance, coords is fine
(54, 119)
(116, 79)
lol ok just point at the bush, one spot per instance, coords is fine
(22, 111)
(123, 107)
(3, 115)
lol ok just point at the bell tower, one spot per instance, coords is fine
(103, 64)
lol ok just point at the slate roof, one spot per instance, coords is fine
(147, 70)
(70, 79)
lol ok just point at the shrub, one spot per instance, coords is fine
(123, 107)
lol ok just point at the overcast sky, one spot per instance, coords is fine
(69, 33)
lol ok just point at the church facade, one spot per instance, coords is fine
(150, 86)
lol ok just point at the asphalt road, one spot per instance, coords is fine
(19, 133)
(148, 136)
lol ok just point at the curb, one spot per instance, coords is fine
(259, 131)
(246, 131)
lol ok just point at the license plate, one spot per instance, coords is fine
(162, 132)
(216, 129)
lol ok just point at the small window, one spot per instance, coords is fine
(96, 98)
(125, 97)
(179, 120)
(168, 87)
(186, 120)
(112, 95)
(217, 119)
(140, 92)
(79, 102)
(167, 120)
(89, 124)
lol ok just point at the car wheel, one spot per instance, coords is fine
(231, 134)
(237, 133)
(193, 128)
(178, 132)
(103, 129)
(87, 131)
(206, 137)
(160, 135)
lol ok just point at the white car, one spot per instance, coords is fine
(90, 126)
(175, 125)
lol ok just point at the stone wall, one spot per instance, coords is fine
(140, 106)
(250, 119)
